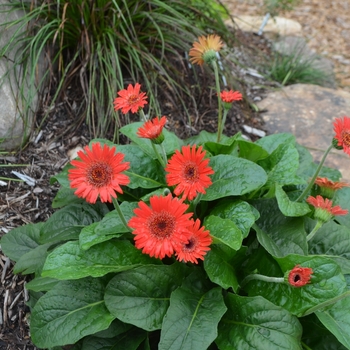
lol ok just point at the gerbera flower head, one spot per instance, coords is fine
(130, 99)
(328, 187)
(197, 245)
(342, 134)
(228, 97)
(299, 276)
(189, 171)
(153, 130)
(324, 211)
(98, 173)
(162, 226)
(205, 49)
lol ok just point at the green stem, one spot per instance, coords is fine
(313, 232)
(159, 157)
(121, 215)
(217, 84)
(164, 154)
(308, 188)
(143, 115)
(261, 278)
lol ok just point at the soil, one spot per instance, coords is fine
(48, 151)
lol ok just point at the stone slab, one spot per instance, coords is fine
(308, 112)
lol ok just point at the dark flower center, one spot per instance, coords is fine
(346, 138)
(190, 245)
(133, 99)
(161, 225)
(190, 172)
(99, 174)
(297, 278)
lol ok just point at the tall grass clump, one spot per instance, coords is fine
(98, 46)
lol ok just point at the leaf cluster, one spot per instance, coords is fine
(94, 289)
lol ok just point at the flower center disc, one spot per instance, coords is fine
(133, 99)
(161, 225)
(296, 278)
(99, 174)
(190, 172)
(346, 138)
(190, 245)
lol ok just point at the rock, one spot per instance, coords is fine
(275, 26)
(15, 125)
(308, 112)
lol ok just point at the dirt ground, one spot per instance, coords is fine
(325, 26)
(47, 151)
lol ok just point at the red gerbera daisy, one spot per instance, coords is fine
(230, 96)
(189, 171)
(130, 99)
(323, 208)
(160, 227)
(197, 245)
(299, 276)
(205, 50)
(98, 173)
(152, 129)
(342, 133)
(328, 187)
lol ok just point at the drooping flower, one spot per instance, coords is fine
(205, 49)
(162, 226)
(197, 245)
(324, 211)
(299, 276)
(342, 133)
(153, 130)
(130, 99)
(99, 173)
(328, 187)
(189, 171)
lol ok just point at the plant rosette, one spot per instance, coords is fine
(212, 242)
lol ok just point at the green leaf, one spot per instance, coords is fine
(64, 197)
(193, 316)
(240, 212)
(333, 240)
(33, 261)
(251, 151)
(255, 323)
(69, 312)
(271, 142)
(218, 266)
(288, 207)
(144, 172)
(141, 296)
(224, 231)
(281, 165)
(327, 282)
(89, 238)
(66, 223)
(126, 341)
(21, 240)
(171, 141)
(62, 177)
(337, 320)
(41, 284)
(233, 177)
(342, 198)
(70, 262)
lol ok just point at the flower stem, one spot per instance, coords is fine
(217, 84)
(256, 276)
(159, 157)
(313, 232)
(142, 114)
(165, 158)
(307, 189)
(120, 213)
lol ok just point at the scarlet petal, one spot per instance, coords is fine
(98, 173)
(130, 99)
(299, 276)
(342, 133)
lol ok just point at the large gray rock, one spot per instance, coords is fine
(15, 121)
(308, 112)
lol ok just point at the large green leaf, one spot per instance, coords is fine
(224, 231)
(218, 266)
(21, 240)
(342, 198)
(69, 261)
(193, 316)
(233, 177)
(327, 282)
(141, 296)
(41, 284)
(69, 312)
(271, 142)
(65, 196)
(251, 151)
(66, 223)
(333, 240)
(255, 323)
(241, 213)
(337, 320)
